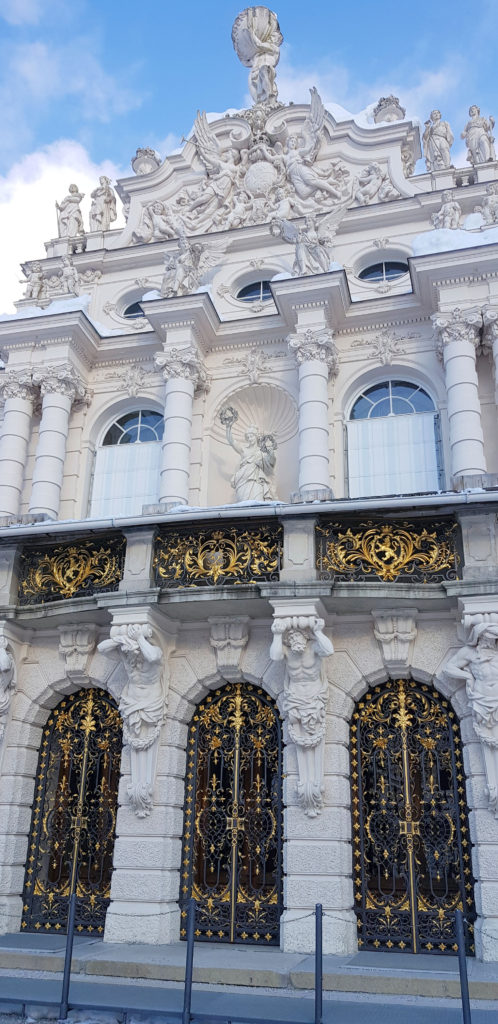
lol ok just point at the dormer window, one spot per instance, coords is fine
(387, 270)
(258, 291)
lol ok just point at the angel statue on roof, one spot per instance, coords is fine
(188, 266)
(300, 153)
(257, 39)
(312, 241)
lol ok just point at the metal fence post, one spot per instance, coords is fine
(462, 965)
(67, 959)
(318, 963)
(187, 993)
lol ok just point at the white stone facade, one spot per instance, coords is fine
(291, 362)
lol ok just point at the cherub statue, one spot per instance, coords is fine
(312, 242)
(103, 208)
(36, 285)
(69, 216)
(6, 683)
(374, 183)
(257, 40)
(69, 277)
(252, 480)
(437, 141)
(186, 268)
(448, 216)
(301, 642)
(489, 208)
(156, 223)
(479, 138)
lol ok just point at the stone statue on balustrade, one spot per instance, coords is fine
(489, 208)
(449, 214)
(69, 280)
(187, 267)
(252, 480)
(257, 40)
(103, 208)
(312, 241)
(69, 216)
(142, 706)
(36, 284)
(477, 663)
(301, 642)
(478, 134)
(437, 141)
(6, 683)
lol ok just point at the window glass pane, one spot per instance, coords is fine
(421, 401)
(130, 420)
(256, 290)
(401, 407)
(382, 408)
(151, 419)
(377, 391)
(146, 434)
(361, 408)
(129, 436)
(373, 273)
(403, 389)
(133, 311)
(113, 435)
(395, 269)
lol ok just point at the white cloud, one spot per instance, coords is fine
(27, 205)
(21, 12)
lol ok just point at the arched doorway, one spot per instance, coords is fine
(232, 840)
(411, 843)
(71, 839)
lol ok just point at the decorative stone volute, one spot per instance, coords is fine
(490, 323)
(315, 344)
(228, 637)
(388, 109)
(17, 384)
(76, 645)
(396, 632)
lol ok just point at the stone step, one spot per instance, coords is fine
(390, 974)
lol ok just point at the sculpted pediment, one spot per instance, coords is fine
(271, 161)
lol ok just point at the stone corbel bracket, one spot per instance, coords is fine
(228, 638)
(396, 633)
(76, 646)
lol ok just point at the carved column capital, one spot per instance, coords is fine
(318, 345)
(17, 384)
(183, 363)
(490, 323)
(458, 325)
(59, 379)
(395, 632)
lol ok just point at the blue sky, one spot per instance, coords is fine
(82, 83)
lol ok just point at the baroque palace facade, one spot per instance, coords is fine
(248, 545)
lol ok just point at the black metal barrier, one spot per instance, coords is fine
(318, 963)
(462, 966)
(66, 977)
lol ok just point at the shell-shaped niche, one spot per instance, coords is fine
(273, 411)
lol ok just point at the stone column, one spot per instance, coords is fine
(490, 339)
(316, 357)
(60, 385)
(183, 373)
(459, 334)
(18, 392)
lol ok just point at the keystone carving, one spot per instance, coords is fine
(395, 633)
(76, 645)
(229, 636)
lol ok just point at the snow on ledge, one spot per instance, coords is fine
(445, 240)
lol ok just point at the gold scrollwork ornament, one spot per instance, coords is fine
(66, 570)
(387, 551)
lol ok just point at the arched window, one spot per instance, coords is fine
(127, 465)
(393, 441)
(258, 291)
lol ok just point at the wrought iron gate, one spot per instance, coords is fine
(74, 815)
(232, 840)
(411, 845)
